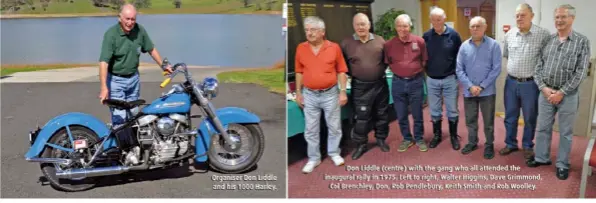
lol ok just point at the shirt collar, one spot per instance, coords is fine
(445, 32)
(533, 29)
(572, 36)
(408, 38)
(482, 42)
(122, 33)
(370, 36)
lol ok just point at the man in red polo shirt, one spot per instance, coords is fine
(406, 56)
(318, 65)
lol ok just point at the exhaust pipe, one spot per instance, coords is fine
(77, 174)
(81, 173)
(50, 160)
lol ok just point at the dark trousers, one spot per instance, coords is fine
(409, 92)
(524, 96)
(371, 102)
(486, 105)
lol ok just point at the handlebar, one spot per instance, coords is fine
(175, 71)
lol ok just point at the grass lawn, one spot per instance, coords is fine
(10, 69)
(86, 8)
(272, 78)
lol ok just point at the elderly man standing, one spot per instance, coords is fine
(119, 61)
(478, 66)
(558, 75)
(318, 65)
(442, 44)
(406, 56)
(370, 92)
(522, 48)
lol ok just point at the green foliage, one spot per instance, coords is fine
(110, 7)
(385, 25)
(142, 3)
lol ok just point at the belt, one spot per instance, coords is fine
(322, 90)
(440, 77)
(124, 76)
(408, 78)
(522, 79)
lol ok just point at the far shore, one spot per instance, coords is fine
(74, 15)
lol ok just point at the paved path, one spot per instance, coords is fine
(91, 74)
(25, 103)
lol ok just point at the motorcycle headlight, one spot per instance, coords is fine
(210, 87)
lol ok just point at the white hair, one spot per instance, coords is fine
(479, 19)
(404, 17)
(362, 15)
(570, 9)
(526, 6)
(436, 11)
(314, 21)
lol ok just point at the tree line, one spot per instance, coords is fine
(16, 5)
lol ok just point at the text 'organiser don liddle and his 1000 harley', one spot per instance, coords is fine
(75, 149)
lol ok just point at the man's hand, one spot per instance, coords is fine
(103, 94)
(556, 97)
(168, 69)
(547, 92)
(475, 90)
(343, 98)
(299, 99)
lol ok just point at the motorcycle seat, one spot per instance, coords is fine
(123, 105)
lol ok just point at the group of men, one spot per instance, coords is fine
(544, 73)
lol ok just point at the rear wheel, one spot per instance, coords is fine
(250, 144)
(62, 139)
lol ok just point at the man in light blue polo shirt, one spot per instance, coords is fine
(478, 66)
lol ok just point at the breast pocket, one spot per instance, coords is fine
(515, 46)
(448, 45)
(569, 59)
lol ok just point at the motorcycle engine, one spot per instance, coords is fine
(164, 135)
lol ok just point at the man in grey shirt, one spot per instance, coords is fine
(558, 75)
(522, 48)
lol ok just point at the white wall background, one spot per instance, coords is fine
(412, 7)
(544, 16)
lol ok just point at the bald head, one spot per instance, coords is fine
(128, 9)
(127, 17)
(361, 25)
(361, 17)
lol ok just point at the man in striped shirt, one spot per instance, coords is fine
(560, 71)
(521, 48)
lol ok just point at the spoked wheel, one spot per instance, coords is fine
(246, 152)
(62, 139)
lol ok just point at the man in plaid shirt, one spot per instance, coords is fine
(522, 49)
(559, 73)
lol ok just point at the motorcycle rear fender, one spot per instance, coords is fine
(65, 121)
(226, 115)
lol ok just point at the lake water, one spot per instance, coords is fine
(196, 39)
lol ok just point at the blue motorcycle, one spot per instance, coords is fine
(76, 149)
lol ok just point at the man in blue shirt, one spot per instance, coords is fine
(478, 66)
(442, 45)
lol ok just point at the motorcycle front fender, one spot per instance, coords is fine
(226, 115)
(65, 121)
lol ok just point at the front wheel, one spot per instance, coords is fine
(246, 152)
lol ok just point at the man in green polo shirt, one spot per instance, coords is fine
(119, 61)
